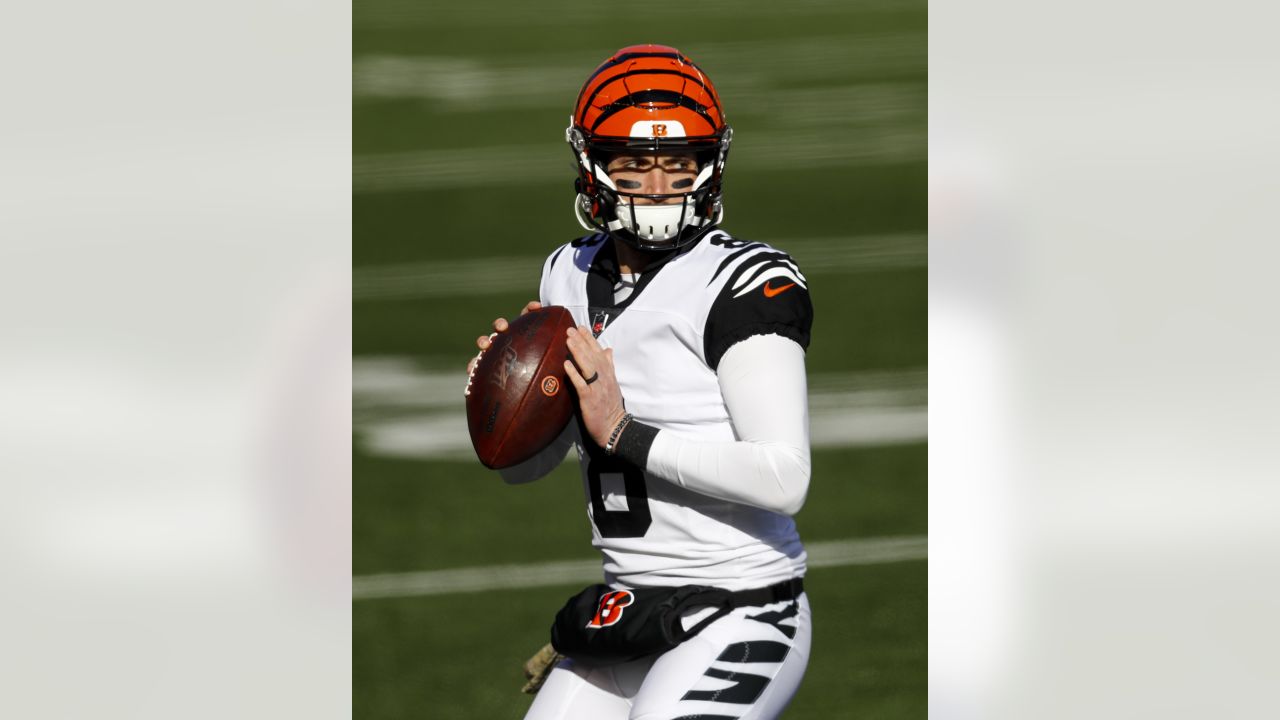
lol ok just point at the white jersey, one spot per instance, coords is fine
(668, 337)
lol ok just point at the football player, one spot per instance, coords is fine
(693, 426)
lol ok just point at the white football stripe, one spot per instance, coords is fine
(837, 553)
(749, 273)
(770, 274)
(765, 78)
(796, 269)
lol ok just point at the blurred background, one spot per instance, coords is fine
(463, 184)
(176, 214)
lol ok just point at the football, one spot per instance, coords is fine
(519, 398)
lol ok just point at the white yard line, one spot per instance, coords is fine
(850, 119)
(488, 276)
(839, 553)
(473, 84)
(407, 13)
(444, 436)
(840, 78)
(401, 410)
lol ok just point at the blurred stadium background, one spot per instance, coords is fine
(462, 184)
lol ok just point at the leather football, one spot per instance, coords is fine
(519, 398)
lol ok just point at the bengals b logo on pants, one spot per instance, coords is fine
(610, 610)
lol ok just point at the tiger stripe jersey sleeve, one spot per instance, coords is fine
(765, 294)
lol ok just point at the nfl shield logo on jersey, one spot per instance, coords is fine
(598, 323)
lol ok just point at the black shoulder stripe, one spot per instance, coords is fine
(555, 257)
(731, 258)
(749, 270)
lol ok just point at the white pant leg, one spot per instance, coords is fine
(738, 667)
(575, 692)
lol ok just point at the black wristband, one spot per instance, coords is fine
(635, 442)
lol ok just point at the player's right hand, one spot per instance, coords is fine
(500, 325)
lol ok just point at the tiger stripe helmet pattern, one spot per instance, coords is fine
(649, 84)
(649, 98)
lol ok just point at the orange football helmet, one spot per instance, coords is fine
(648, 98)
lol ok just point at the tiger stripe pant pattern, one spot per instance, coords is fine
(745, 666)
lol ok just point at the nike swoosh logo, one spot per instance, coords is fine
(771, 291)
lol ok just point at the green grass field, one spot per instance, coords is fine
(462, 185)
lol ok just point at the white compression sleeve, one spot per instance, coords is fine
(763, 383)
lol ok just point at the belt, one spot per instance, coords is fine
(785, 590)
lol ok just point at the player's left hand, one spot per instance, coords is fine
(600, 399)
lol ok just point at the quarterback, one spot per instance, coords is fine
(692, 432)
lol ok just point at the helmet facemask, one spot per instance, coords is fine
(648, 100)
(646, 221)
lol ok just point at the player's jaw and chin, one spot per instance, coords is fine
(655, 201)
